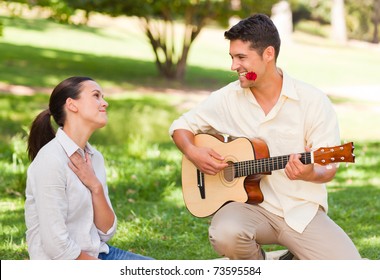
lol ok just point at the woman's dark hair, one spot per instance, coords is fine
(42, 131)
(259, 30)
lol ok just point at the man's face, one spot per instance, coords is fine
(244, 60)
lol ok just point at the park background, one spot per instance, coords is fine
(43, 44)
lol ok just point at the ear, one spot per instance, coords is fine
(70, 105)
(269, 54)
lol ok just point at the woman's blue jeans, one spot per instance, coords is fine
(118, 254)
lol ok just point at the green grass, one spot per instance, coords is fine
(118, 56)
(143, 165)
(144, 180)
(143, 169)
(48, 52)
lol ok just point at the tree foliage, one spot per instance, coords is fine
(363, 19)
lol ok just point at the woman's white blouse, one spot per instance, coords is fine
(58, 208)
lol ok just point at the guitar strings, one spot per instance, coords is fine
(263, 165)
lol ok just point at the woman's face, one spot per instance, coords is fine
(91, 105)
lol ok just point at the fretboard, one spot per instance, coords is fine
(265, 165)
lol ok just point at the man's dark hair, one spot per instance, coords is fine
(259, 30)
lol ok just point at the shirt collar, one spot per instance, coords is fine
(288, 90)
(70, 146)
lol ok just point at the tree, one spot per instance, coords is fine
(363, 19)
(171, 26)
(171, 42)
(376, 21)
(338, 22)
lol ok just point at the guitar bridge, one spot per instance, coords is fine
(201, 184)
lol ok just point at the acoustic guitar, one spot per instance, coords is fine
(247, 162)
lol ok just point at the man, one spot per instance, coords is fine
(290, 116)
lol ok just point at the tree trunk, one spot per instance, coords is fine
(376, 21)
(338, 22)
(171, 63)
(163, 52)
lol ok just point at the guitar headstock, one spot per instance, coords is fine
(328, 155)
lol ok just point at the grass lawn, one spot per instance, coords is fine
(143, 165)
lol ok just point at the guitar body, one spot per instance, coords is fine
(247, 163)
(221, 186)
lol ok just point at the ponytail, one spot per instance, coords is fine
(40, 134)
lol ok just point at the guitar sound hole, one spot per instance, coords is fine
(228, 172)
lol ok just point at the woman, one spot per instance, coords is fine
(68, 212)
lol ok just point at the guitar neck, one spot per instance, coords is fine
(266, 165)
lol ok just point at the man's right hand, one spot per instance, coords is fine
(206, 160)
